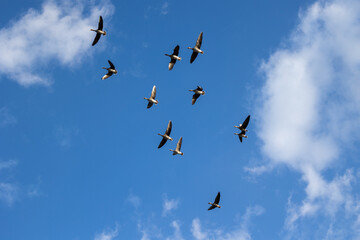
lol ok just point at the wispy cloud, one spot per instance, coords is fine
(165, 8)
(8, 191)
(169, 205)
(177, 232)
(108, 234)
(134, 200)
(240, 233)
(310, 103)
(7, 164)
(65, 136)
(6, 118)
(58, 33)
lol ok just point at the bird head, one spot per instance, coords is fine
(104, 33)
(202, 52)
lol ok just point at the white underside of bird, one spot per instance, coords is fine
(166, 136)
(175, 152)
(215, 205)
(98, 31)
(195, 49)
(152, 100)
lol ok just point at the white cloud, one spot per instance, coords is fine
(240, 233)
(108, 234)
(165, 8)
(196, 230)
(64, 136)
(311, 97)
(177, 232)
(134, 200)
(8, 191)
(169, 205)
(6, 118)
(58, 33)
(7, 164)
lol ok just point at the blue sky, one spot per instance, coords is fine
(79, 157)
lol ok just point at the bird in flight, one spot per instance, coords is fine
(242, 127)
(216, 202)
(99, 31)
(197, 92)
(178, 147)
(111, 71)
(174, 57)
(152, 99)
(196, 49)
(166, 136)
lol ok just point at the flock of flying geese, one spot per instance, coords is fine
(151, 100)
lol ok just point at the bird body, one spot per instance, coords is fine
(178, 148)
(152, 99)
(166, 136)
(174, 57)
(197, 92)
(242, 127)
(197, 49)
(99, 31)
(111, 71)
(215, 204)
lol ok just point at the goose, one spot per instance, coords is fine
(174, 57)
(178, 147)
(166, 136)
(242, 127)
(152, 99)
(99, 31)
(110, 72)
(197, 92)
(216, 202)
(196, 49)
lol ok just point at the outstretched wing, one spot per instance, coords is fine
(199, 40)
(149, 105)
(178, 146)
(153, 92)
(107, 75)
(211, 207)
(217, 199)
(246, 122)
(163, 141)
(96, 39)
(199, 88)
(168, 129)
(176, 50)
(172, 63)
(111, 65)
(100, 26)
(193, 56)
(194, 98)
(240, 138)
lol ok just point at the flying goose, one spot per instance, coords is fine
(152, 99)
(196, 49)
(174, 57)
(197, 92)
(178, 147)
(216, 202)
(242, 128)
(98, 31)
(110, 72)
(166, 136)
